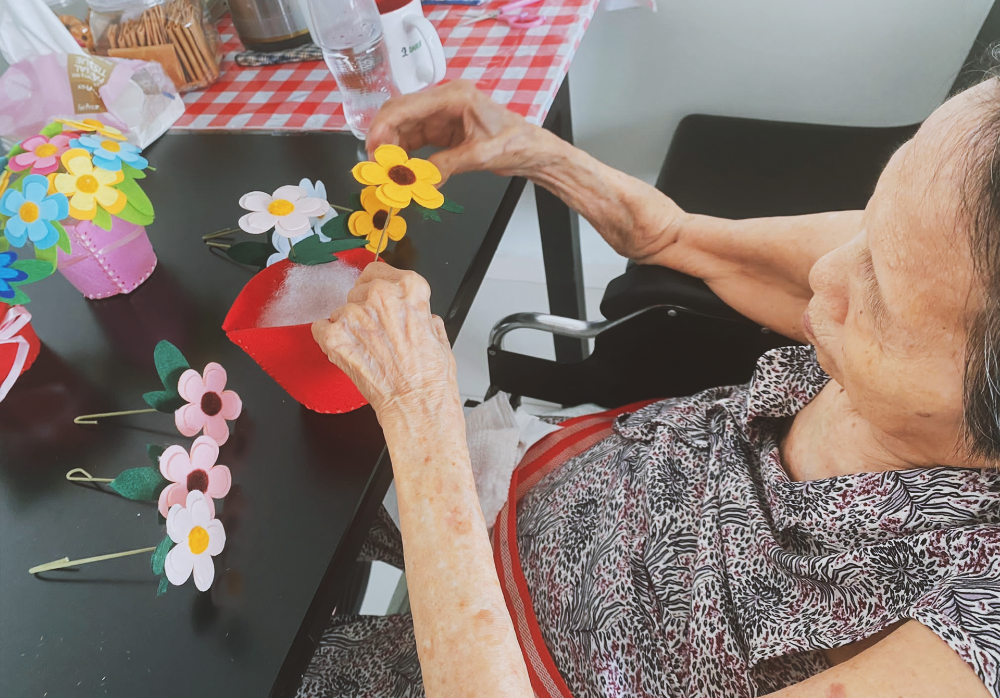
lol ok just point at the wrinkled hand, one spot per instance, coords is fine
(475, 132)
(387, 341)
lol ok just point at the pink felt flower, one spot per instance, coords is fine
(41, 155)
(209, 404)
(193, 473)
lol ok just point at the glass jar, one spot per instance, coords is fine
(172, 33)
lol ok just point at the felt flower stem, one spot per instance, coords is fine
(345, 209)
(66, 562)
(225, 232)
(92, 418)
(385, 227)
(220, 245)
(81, 475)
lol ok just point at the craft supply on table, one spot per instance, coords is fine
(198, 401)
(308, 293)
(256, 59)
(350, 34)
(272, 317)
(19, 345)
(70, 192)
(169, 32)
(472, 3)
(517, 14)
(270, 25)
(136, 97)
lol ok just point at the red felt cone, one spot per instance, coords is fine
(290, 355)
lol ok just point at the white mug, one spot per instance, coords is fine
(415, 51)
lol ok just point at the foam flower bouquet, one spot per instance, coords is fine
(71, 194)
(311, 260)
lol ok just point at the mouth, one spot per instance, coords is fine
(807, 328)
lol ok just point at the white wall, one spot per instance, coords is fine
(849, 62)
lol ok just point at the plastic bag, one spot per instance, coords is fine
(134, 96)
(29, 28)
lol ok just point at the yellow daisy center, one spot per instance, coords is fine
(198, 540)
(46, 150)
(88, 184)
(280, 207)
(402, 175)
(111, 146)
(28, 212)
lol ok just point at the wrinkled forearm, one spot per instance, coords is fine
(465, 638)
(636, 219)
(758, 266)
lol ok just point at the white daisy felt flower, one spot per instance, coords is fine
(288, 211)
(199, 538)
(318, 191)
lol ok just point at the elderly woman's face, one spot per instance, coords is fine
(889, 313)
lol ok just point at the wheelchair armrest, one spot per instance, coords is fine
(643, 286)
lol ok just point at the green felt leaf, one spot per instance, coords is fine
(428, 214)
(253, 253)
(17, 182)
(451, 207)
(170, 364)
(20, 298)
(140, 484)
(137, 198)
(160, 555)
(311, 251)
(154, 451)
(164, 401)
(36, 269)
(102, 219)
(15, 151)
(163, 586)
(4, 245)
(131, 214)
(48, 256)
(336, 228)
(53, 129)
(132, 172)
(63, 242)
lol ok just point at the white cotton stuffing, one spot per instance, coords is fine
(309, 293)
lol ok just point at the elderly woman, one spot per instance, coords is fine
(829, 530)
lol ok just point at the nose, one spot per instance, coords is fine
(828, 280)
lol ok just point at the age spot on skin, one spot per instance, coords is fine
(925, 415)
(836, 690)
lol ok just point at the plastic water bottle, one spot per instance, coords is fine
(350, 34)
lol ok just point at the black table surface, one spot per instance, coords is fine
(304, 485)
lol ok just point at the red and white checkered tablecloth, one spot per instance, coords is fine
(520, 68)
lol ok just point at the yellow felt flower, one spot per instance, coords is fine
(88, 187)
(400, 178)
(4, 180)
(369, 223)
(91, 125)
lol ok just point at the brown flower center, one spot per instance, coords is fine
(197, 480)
(402, 175)
(211, 404)
(378, 219)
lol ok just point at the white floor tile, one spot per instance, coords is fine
(381, 584)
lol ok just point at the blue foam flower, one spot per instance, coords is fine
(31, 212)
(9, 276)
(109, 154)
